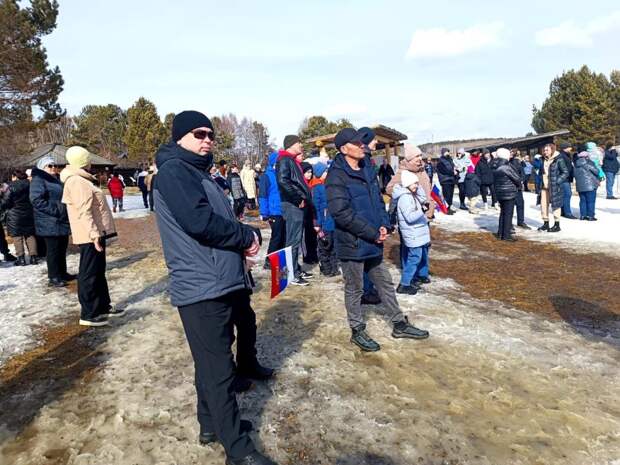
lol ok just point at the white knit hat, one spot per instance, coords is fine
(503, 153)
(407, 178)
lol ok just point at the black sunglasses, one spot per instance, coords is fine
(201, 134)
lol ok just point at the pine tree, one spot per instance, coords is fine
(27, 81)
(168, 126)
(580, 101)
(145, 131)
(101, 129)
(615, 96)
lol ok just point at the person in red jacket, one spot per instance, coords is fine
(116, 186)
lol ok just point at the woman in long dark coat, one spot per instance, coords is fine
(20, 218)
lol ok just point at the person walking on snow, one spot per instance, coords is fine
(116, 187)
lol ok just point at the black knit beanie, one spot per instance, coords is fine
(290, 140)
(187, 121)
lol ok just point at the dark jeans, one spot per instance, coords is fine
(526, 182)
(310, 239)
(208, 328)
(278, 234)
(520, 203)
(485, 189)
(93, 292)
(327, 254)
(294, 219)
(505, 218)
(145, 197)
(4, 245)
(117, 202)
(151, 200)
(447, 191)
(567, 193)
(462, 194)
(587, 204)
(239, 207)
(56, 256)
(609, 183)
(353, 273)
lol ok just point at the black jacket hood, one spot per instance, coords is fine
(172, 150)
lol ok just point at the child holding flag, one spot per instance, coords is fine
(415, 233)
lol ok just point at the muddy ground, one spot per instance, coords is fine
(521, 368)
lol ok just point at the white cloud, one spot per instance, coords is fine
(440, 42)
(573, 34)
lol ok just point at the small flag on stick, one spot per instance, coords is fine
(438, 198)
(282, 271)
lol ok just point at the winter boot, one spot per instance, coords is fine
(34, 260)
(207, 437)
(21, 261)
(9, 257)
(410, 290)
(113, 209)
(556, 227)
(361, 339)
(544, 227)
(254, 370)
(403, 329)
(255, 458)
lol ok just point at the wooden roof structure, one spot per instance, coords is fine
(387, 138)
(58, 151)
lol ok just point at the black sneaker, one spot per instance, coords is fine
(9, 257)
(255, 371)
(592, 218)
(423, 280)
(555, 228)
(371, 299)
(361, 339)
(523, 226)
(544, 227)
(306, 275)
(404, 329)
(209, 437)
(100, 320)
(410, 290)
(299, 282)
(255, 458)
(113, 312)
(55, 282)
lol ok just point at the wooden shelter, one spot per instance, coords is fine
(58, 152)
(389, 139)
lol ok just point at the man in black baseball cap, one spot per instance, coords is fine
(205, 248)
(354, 200)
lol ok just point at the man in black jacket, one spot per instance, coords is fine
(610, 168)
(566, 151)
(295, 197)
(354, 200)
(519, 201)
(447, 177)
(205, 249)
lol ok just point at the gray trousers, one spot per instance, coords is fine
(353, 273)
(294, 220)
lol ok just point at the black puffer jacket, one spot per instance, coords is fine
(19, 214)
(586, 175)
(558, 174)
(472, 185)
(568, 161)
(291, 183)
(354, 201)
(518, 167)
(50, 214)
(506, 180)
(484, 172)
(610, 162)
(445, 170)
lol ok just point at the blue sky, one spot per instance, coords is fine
(434, 70)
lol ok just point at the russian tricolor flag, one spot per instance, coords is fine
(282, 271)
(438, 198)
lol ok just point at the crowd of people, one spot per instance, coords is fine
(335, 212)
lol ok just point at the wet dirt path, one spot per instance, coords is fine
(498, 382)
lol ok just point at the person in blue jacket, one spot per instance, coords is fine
(328, 262)
(269, 207)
